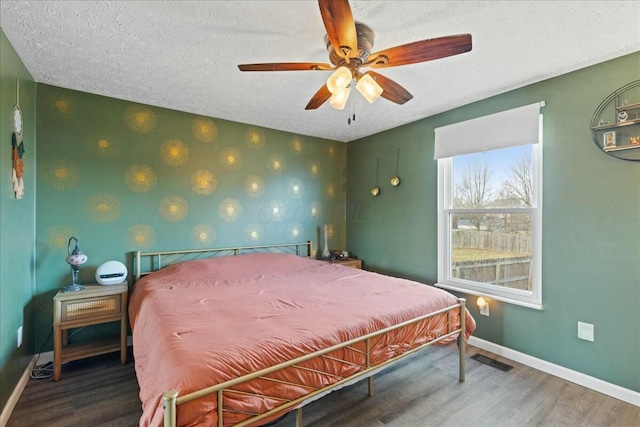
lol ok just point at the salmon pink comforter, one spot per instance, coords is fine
(202, 322)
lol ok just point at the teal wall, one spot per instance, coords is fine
(591, 224)
(17, 250)
(122, 177)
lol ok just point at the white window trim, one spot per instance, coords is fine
(531, 299)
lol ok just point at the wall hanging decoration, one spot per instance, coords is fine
(615, 125)
(17, 147)
(395, 181)
(376, 190)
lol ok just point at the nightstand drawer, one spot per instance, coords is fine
(352, 262)
(90, 307)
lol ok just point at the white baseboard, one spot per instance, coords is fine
(621, 393)
(17, 392)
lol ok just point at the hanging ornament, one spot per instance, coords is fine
(395, 181)
(376, 190)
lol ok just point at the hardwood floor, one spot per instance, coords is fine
(421, 391)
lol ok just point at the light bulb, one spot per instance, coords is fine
(482, 303)
(369, 88)
(339, 80)
(339, 99)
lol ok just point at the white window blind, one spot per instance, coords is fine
(519, 126)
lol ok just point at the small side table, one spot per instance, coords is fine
(94, 305)
(351, 262)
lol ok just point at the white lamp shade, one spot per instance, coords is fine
(339, 80)
(369, 88)
(482, 303)
(339, 99)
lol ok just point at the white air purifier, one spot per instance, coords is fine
(111, 273)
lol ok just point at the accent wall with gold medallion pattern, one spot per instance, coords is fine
(121, 177)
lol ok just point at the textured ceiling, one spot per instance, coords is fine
(183, 55)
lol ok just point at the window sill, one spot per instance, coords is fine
(535, 306)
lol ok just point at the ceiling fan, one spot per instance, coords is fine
(349, 44)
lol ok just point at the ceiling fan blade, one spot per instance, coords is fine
(390, 89)
(421, 51)
(340, 26)
(286, 66)
(319, 98)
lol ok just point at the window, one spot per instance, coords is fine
(489, 207)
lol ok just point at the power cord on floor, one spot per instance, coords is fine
(45, 371)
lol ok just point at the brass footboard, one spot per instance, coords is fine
(171, 399)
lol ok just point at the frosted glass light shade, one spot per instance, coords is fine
(339, 99)
(369, 88)
(339, 80)
(482, 303)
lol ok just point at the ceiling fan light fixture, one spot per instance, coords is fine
(369, 88)
(339, 99)
(339, 80)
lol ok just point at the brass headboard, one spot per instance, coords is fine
(156, 260)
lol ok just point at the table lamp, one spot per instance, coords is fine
(75, 259)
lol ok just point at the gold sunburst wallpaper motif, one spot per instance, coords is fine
(275, 210)
(103, 145)
(315, 210)
(140, 236)
(230, 158)
(255, 138)
(59, 236)
(140, 119)
(140, 178)
(174, 152)
(314, 168)
(253, 185)
(61, 108)
(204, 129)
(276, 164)
(295, 231)
(147, 178)
(330, 190)
(254, 233)
(102, 207)
(203, 182)
(296, 145)
(60, 174)
(295, 188)
(203, 234)
(173, 208)
(230, 209)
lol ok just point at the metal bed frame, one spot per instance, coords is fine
(171, 399)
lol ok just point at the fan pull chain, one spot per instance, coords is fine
(353, 103)
(352, 111)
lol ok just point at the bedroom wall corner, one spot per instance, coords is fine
(17, 235)
(590, 238)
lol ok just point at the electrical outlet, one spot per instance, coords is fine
(585, 331)
(19, 336)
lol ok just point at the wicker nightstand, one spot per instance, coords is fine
(352, 262)
(94, 305)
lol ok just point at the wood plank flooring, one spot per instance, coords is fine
(421, 391)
